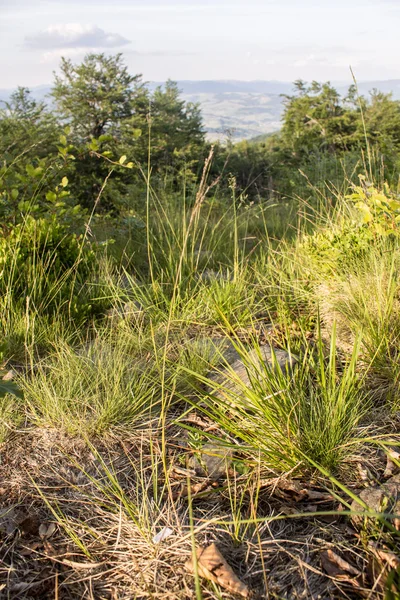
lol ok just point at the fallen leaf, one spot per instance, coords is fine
(162, 535)
(195, 489)
(30, 548)
(386, 556)
(338, 568)
(297, 490)
(212, 566)
(46, 530)
(334, 564)
(9, 376)
(392, 457)
(185, 472)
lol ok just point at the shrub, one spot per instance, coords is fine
(337, 248)
(46, 266)
(378, 209)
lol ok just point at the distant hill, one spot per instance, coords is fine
(240, 109)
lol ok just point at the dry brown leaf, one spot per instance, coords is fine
(213, 566)
(299, 491)
(9, 376)
(195, 489)
(386, 556)
(339, 568)
(30, 548)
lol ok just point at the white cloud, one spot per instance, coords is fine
(74, 36)
(55, 55)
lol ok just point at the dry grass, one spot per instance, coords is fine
(108, 501)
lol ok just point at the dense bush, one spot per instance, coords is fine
(46, 266)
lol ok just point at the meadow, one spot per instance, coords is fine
(200, 399)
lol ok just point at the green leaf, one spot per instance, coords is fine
(365, 210)
(129, 165)
(63, 140)
(94, 145)
(14, 194)
(51, 196)
(9, 387)
(122, 159)
(64, 181)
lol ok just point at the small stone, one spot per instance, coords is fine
(272, 357)
(9, 376)
(210, 275)
(382, 499)
(162, 535)
(213, 462)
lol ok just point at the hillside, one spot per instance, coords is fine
(239, 109)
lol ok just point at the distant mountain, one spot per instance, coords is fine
(39, 92)
(240, 109)
(225, 86)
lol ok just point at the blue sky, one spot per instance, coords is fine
(203, 39)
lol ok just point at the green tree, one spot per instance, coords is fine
(316, 118)
(95, 96)
(175, 128)
(26, 127)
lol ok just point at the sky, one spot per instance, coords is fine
(204, 39)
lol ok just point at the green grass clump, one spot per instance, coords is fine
(90, 389)
(285, 417)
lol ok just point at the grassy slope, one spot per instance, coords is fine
(98, 456)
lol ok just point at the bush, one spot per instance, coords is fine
(338, 248)
(46, 266)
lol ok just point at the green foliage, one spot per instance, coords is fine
(43, 264)
(96, 95)
(337, 248)
(316, 117)
(9, 387)
(379, 210)
(113, 114)
(26, 128)
(292, 420)
(91, 390)
(10, 412)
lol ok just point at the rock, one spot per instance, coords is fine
(130, 311)
(127, 282)
(272, 357)
(214, 350)
(210, 275)
(213, 461)
(9, 376)
(385, 498)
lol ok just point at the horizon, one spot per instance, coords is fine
(339, 83)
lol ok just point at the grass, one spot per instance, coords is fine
(89, 389)
(116, 405)
(286, 415)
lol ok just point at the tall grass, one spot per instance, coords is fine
(284, 416)
(215, 274)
